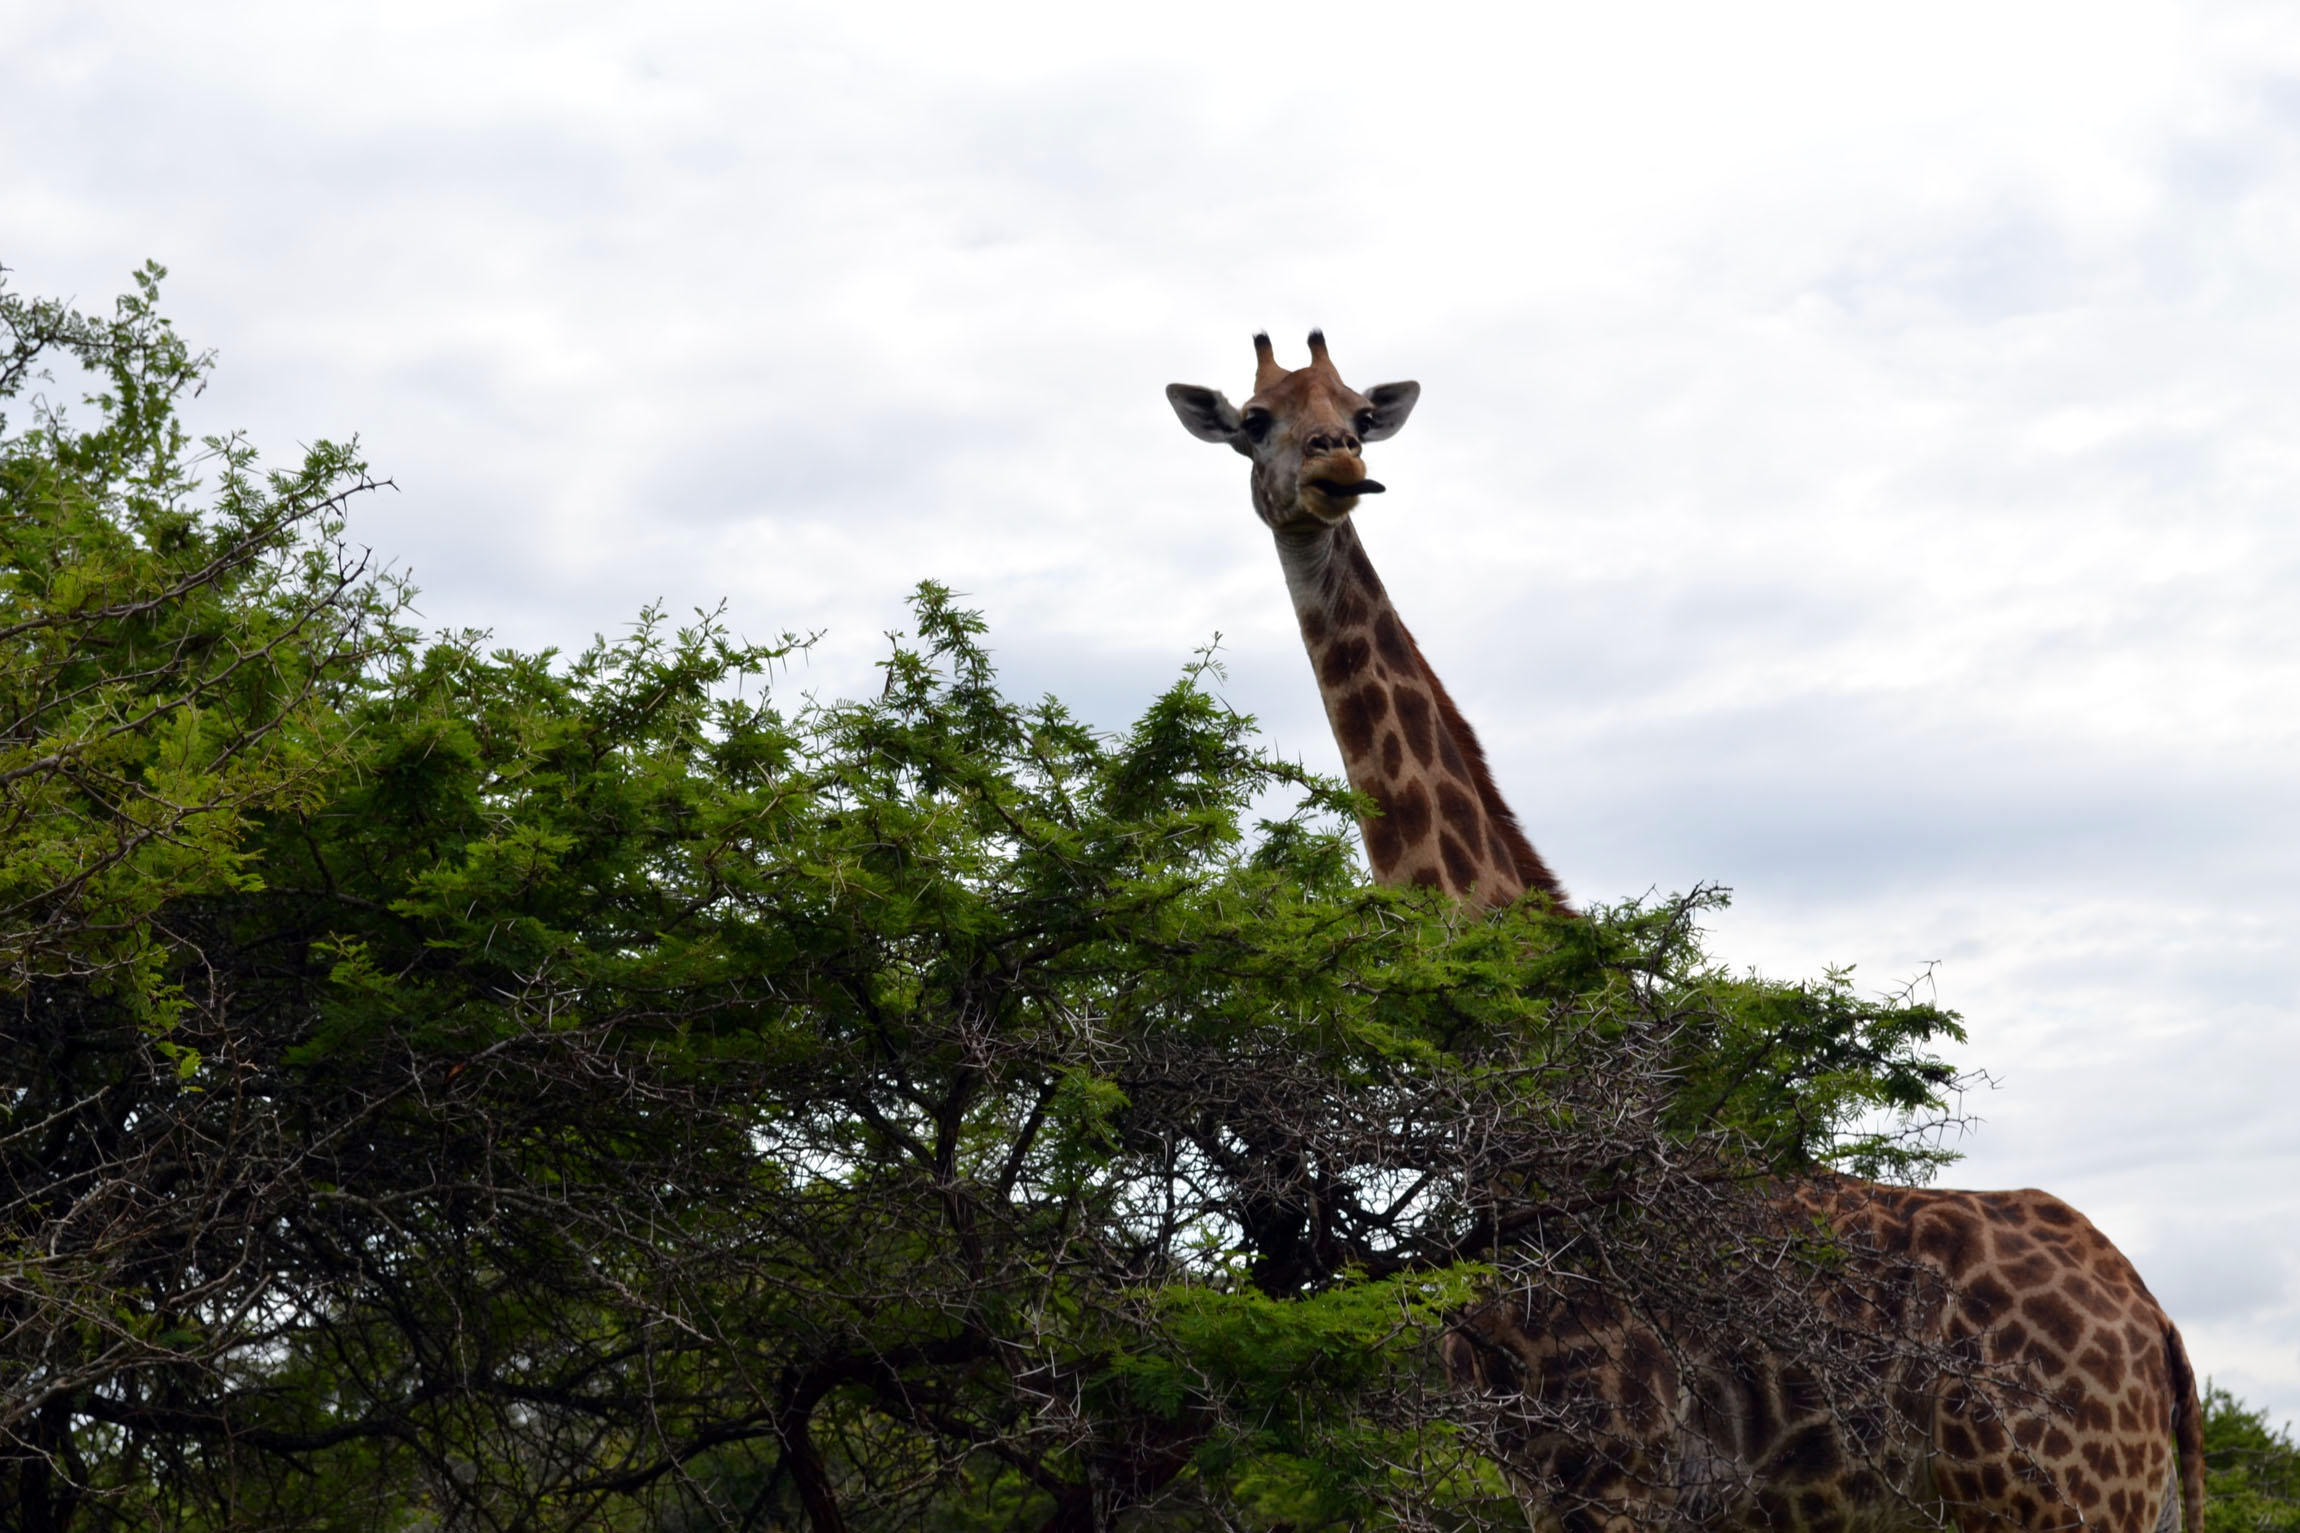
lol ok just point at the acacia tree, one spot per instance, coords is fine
(448, 1083)
(171, 657)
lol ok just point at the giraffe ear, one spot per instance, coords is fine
(1205, 414)
(1392, 403)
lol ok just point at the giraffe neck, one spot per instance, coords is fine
(1404, 743)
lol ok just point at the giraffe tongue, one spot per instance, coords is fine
(1362, 487)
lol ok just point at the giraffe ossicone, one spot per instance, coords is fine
(2074, 1385)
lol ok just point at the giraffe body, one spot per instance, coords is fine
(2071, 1384)
(2071, 1391)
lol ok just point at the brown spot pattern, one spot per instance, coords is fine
(1344, 658)
(1382, 843)
(1459, 811)
(1358, 715)
(1450, 757)
(2089, 1296)
(1390, 639)
(1408, 808)
(1986, 1299)
(1415, 718)
(1460, 867)
(1949, 1240)
(2051, 1315)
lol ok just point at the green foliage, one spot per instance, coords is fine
(1806, 1067)
(2252, 1470)
(519, 1090)
(170, 647)
(1311, 1388)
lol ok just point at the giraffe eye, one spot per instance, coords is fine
(1257, 424)
(1365, 423)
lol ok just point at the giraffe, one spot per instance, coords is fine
(1404, 744)
(2074, 1386)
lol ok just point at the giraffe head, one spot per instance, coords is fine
(1306, 431)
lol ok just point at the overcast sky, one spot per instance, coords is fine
(1857, 459)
